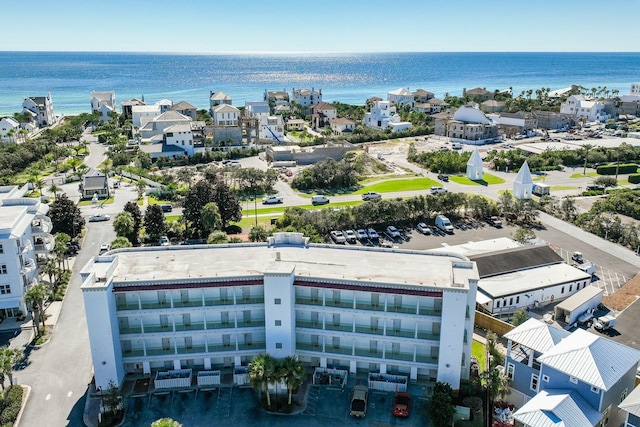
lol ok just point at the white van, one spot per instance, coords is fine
(443, 223)
(319, 200)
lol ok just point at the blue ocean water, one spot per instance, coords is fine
(350, 78)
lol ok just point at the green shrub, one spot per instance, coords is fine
(11, 405)
(634, 178)
(621, 169)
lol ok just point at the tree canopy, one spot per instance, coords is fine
(66, 216)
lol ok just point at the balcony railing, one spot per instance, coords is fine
(221, 347)
(251, 324)
(404, 333)
(252, 300)
(132, 329)
(158, 328)
(160, 351)
(337, 349)
(252, 346)
(410, 309)
(344, 327)
(367, 352)
(308, 324)
(217, 301)
(308, 346)
(220, 325)
(308, 301)
(368, 306)
(193, 326)
(408, 357)
(155, 304)
(192, 349)
(423, 358)
(188, 303)
(428, 336)
(133, 352)
(428, 311)
(340, 303)
(369, 330)
(127, 306)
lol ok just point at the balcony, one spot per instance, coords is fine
(309, 301)
(41, 225)
(45, 244)
(423, 358)
(369, 330)
(308, 324)
(127, 306)
(407, 357)
(160, 351)
(157, 328)
(125, 330)
(193, 326)
(409, 309)
(308, 346)
(251, 324)
(189, 303)
(340, 303)
(428, 336)
(221, 347)
(340, 327)
(252, 300)
(368, 306)
(217, 301)
(338, 349)
(367, 352)
(192, 349)
(430, 311)
(138, 352)
(155, 304)
(252, 346)
(404, 333)
(220, 325)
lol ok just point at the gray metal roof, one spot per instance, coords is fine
(576, 300)
(537, 335)
(509, 260)
(588, 357)
(632, 403)
(557, 408)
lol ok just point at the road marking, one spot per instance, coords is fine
(70, 393)
(47, 397)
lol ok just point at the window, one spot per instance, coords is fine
(595, 389)
(277, 301)
(497, 304)
(278, 322)
(5, 289)
(573, 380)
(278, 345)
(510, 370)
(3, 269)
(511, 301)
(562, 290)
(534, 382)
(623, 396)
(1, 249)
(518, 299)
(570, 288)
(545, 378)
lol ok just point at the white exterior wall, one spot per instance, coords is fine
(399, 126)
(635, 89)
(104, 337)
(142, 114)
(183, 140)
(454, 307)
(270, 126)
(7, 124)
(381, 115)
(279, 286)
(528, 298)
(225, 118)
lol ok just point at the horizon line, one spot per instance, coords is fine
(213, 53)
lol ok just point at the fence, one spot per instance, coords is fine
(490, 323)
(173, 379)
(208, 378)
(387, 382)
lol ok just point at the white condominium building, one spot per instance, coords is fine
(217, 306)
(25, 243)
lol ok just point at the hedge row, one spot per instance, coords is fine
(11, 405)
(621, 169)
(634, 178)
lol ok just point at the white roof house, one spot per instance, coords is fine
(632, 403)
(557, 408)
(537, 335)
(587, 357)
(8, 124)
(474, 166)
(400, 96)
(523, 184)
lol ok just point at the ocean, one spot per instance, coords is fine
(348, 78)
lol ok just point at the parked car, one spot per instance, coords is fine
(443, 177)
(164, 241)
(72, 249)
(362, 234)
(359, 399)
(338, 237)
(350, 235)
(393, 232)
(577, 257)
(272, 200)
(495, 221)
(167, 207)
(319, 200)
(371, 195)
(423, 228)
(443, 223)
(372, 234)
(104, 248)
(437, 190)
(604, 323)
(99, 218)
(401, 403)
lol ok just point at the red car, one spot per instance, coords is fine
(401, 404)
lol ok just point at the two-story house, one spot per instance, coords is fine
(41, 107)
(342, 125)
(128, 105)
(401, 97)
(103, 103)
(322, 114)
(9, 128)
(552, 370)
(186, 109)
(383, 115)
(217, 98)
(225, 115)
(306, 97)
(421, 96)
(95, 183)
(579, 106)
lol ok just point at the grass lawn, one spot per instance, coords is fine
(579, 175)
(386, 186)
(264, 222)
(100, 202)
(623, 182)
(280, 209)
(487, 179)
(151, 200)
(562, 188)
(478, 350)
(172, 218)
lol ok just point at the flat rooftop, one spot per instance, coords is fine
(332, 262)
(470, 249)
(11, 218)
(533, 278)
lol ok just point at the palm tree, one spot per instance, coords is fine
(165, 422)
(586, 148)
(50, 269)
(292, 373)
(8, 358)
(36, 297)
(54, 189)
(260, 372)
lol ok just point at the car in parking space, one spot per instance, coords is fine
(371, 195)
(401, 402)
(166, 207)
(99, 218)
(104, 248)
(437, 190)
(393, 232)
(372, 234)
(338, 237)
(423, 228)
(362, 234)
(359, 397)
(350, 235)
(443, 177)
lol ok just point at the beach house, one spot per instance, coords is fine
(42, 109)
(342, 125)
(186, 109)
(321, 114)
(103, 103)
(93, 183)
(421, 96)
(383, 115)
(128, 105)
(579, 106)
(9, 129)
(401, 97)
(306, 97)
(217, 98)
(469, 124)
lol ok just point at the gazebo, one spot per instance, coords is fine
(474, 166)
(523, 184)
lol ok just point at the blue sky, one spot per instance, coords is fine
(323, 26)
